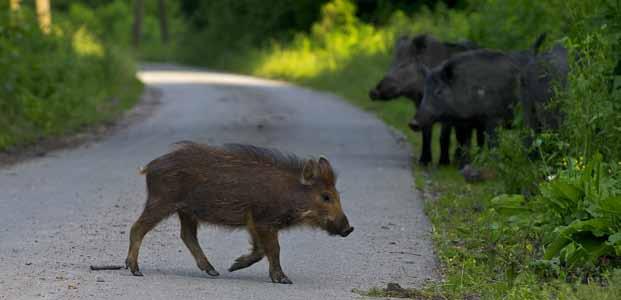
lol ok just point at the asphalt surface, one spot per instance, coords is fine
(61, 213)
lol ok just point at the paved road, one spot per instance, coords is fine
(73, 208)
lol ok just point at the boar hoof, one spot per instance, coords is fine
(280, 278)
(213, 272)
(238, 265)
(133, 267)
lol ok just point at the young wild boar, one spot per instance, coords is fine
(235, 185)
(404, 78)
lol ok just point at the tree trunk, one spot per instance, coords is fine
(44, 15)
(137, 28)
(163, 21)
(15, 5)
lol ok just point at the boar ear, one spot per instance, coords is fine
(326, 172)
(447, 73)
(419, 44)
(324, 161)
(310, 172)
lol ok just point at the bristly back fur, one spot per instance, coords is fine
(274, 157)
(285, 161)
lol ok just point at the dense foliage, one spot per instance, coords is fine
(55, 83)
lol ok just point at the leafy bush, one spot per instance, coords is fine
(339, 37)
(511, 25)
(578, 213)
(224, 31)
(53, 84)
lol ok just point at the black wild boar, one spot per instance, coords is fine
(481, 85)
(404, 78)
(547, 71)
(235, 185)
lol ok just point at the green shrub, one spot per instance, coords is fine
(223, 32)
(577, 214)
(53, 84)
(511, 25)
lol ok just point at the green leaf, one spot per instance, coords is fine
(611, 205)
(555, 247)
(509, 204)
(598, 227)
(615, 239)
(567, 190)
(585, 249)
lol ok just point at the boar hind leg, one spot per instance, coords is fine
(256, 253)
(151, 216)
(189, 227)
(269, 241)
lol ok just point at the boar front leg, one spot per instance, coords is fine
(269, 240)
(445, 143)
(425, 155)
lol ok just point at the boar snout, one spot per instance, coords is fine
(347, 231)
(414, 125)
(374, 94)
(344, 228)
(386, 89)
(339, 226)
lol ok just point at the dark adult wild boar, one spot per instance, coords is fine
(479, 85)
(404, 78)
(236, 185)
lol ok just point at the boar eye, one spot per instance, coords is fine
(438, 92)
(326, 198)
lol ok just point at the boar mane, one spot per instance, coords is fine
(273, 157)
(484, 54)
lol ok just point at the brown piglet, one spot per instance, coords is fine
(263, 190)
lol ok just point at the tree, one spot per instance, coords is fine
(137, 27)
(163, 20)
(44, 15)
